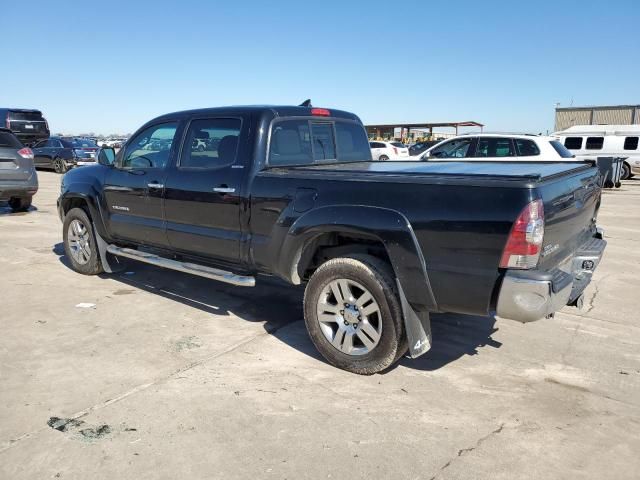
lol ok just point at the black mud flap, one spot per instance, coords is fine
(417, 326)
(110, 267)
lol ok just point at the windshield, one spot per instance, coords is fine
(561, 149)
(9, 140)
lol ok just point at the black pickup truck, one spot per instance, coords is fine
(230, 193)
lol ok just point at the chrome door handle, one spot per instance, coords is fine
(224, 189)
(155, 185)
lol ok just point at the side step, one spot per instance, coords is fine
(192, 268)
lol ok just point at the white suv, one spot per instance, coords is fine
(496, 147)
(389, 151)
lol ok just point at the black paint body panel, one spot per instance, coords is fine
(443, 224)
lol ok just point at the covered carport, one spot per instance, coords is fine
(387, 131)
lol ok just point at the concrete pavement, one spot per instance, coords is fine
(171, 376)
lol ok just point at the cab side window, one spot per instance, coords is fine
(151, 147)
(454, 149)
(211, 143)
(526, 148)
(494, 147)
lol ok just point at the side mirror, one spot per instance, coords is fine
(106, 156)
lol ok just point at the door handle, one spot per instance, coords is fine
(155, 185)
(224, 189)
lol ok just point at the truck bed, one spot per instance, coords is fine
(524, 172)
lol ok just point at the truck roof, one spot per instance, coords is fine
(275, 110)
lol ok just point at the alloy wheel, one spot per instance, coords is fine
(78, 238)
(349, 317)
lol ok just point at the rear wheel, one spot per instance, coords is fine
(626, 172)
(383, 158)
(80, 244)
(20, 204)
(59, 165)
(353, 314)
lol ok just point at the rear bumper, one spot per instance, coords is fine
(527, 296)
(19, 188)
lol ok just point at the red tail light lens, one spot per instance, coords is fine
(26, 153)
(323, 112)
(525, 239)
(395, 150)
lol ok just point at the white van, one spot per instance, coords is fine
(592, 141)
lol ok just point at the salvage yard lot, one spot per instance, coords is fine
(164, 375)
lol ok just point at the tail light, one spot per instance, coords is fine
(525, 239)
(8, 122)
(395, 150)
(323, 112)
(26, 153)
(46, 123)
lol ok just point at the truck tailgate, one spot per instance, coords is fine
(571, 204)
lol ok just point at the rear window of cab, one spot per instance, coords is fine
(310, 141)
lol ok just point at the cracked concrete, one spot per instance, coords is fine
(464, 451)
(172, 376)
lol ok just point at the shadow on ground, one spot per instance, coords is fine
(278, 304)
(6, 210)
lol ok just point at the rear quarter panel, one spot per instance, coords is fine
(461, 229)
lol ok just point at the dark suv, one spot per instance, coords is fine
(18, 177)
(28, 125)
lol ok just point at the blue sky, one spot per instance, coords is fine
(110, 66)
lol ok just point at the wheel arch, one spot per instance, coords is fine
(79, 197)
(327, 232)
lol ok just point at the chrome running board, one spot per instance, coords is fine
(192, 268)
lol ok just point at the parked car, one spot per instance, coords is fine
(28, 125)
(587, 142)
(384, 151)
(419, 147)
(498, 147)
(63, 153)
(18, 177)
(293, 192)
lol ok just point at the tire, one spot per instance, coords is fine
(59, 166)
(626, 172)
(20, 204)
(80, 244)
(364, 275)
(383, 158)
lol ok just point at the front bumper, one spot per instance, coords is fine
(527, 296)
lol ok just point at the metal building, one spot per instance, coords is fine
(597, 115)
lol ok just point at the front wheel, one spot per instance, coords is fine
(353, 314)
(80, 244)
(383, 158)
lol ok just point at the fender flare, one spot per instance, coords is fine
(389, 227)
(87, 193)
